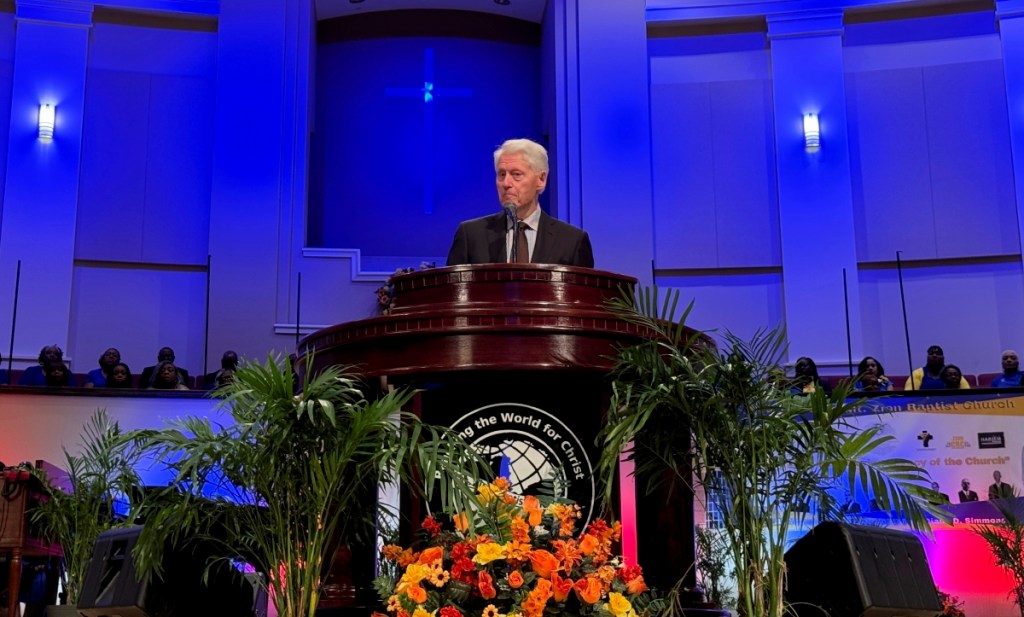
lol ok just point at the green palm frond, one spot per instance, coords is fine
(291, 478)
(760, 452)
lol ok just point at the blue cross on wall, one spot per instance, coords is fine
(429, 92)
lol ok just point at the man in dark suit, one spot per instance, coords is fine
(999, 489)
(166, 354)
(965, 493)
(521, 168)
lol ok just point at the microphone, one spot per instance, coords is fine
(510, 212)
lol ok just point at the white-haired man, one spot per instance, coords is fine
(521, 173)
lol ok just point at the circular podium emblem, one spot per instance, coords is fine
(537, 452)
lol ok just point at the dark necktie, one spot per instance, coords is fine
(522, 246)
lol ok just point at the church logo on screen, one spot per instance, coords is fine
(925, 438)
(536, 451)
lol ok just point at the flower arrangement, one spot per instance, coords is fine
(513, 557)
(386, 292)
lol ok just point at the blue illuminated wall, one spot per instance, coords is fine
(392, 173)
(931, 174)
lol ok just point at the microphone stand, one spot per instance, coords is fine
(906, 326)
(510, 212)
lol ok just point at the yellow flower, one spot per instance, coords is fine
(486, 553)
(415, 573)
(489, 611)
(419, 612)
(487, 493)
(394, 605)
(620, 606)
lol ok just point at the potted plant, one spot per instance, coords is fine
(291, 478)
(763, 457)
(100, 477)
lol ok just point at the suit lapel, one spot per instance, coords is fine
(545, 239)
(496, 234)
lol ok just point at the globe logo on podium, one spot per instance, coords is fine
(536, 451)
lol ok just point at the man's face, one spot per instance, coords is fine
(111, 357)
(997, 476)
(964, 484)
(518, 184)
(936, 357)
(1010, 362)
(165, 355)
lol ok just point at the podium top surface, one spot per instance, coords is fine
(485, 317)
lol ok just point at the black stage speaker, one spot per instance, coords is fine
(856, 571)
(111, 587)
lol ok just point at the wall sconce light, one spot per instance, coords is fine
(46, 116)
(812, 133)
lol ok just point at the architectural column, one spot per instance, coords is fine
(258, 184)
(40, 198)
(1010, 17)
(600, 122)
(815, 195)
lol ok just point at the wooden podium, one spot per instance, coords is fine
(515, 357)
(17, 497)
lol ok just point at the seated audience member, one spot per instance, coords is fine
(228, 362)
(167, 377)
(224, 377)
(952, 377)
(999, 489)
(872, 377)
(930, 376)
(56, 375)
(1011, 371)
(166, 354)
(805, 379)
(965, 493)
(120, 377)
(944, 497)
(36, 376)
(97, 377)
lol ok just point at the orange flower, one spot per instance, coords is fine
(589, 544)
(461, 522)
(567, 554)
(538, 598)
(486, 585)
(407, 557)
(391, 552)
(636, 585)
(520, 530)
(543, 562)
(588, 589)
(517, 552)
(531, 506)
(432, 554)
(417, 594)
(515, 579)
(561, 587)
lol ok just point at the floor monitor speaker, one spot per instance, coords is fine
(858, 571)
(111, 587)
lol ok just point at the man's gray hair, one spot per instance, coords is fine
(534, 153)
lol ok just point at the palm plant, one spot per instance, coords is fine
(764, 457)
(289, 481)
(1006, 541)
(78, 511)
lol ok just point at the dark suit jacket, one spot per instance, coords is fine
(482, 241)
